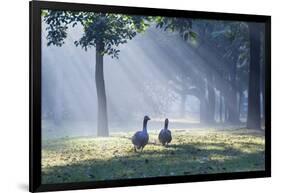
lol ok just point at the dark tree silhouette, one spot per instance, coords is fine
(254, 106)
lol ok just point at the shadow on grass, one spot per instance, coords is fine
(177, 159)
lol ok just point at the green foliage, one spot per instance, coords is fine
(234, 35)
(183, 26)
(108, 30)
(192, 37)
(199, 152)
(229, 40)
(57, 25)
(180, 25)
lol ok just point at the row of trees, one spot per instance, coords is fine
(232, 51)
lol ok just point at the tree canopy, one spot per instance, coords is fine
(109, 29)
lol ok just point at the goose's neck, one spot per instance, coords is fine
(166, 126)
(144, 126)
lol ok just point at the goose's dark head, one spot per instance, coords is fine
(146, 118)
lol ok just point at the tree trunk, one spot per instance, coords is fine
(232, 94)
(233, 116)
(220, 107)
(226, 111)
(211, 104)
(240, 104)
(254, 111)
(211, 100)
(102, 129)
(263, 80)
(203, 110)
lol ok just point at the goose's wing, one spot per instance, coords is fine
(161, 136)
(169, 136)
(136, 138)
(145, 139)
(140, 138)
(165, 136)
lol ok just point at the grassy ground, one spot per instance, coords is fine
(199, 152)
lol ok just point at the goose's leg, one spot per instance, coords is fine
(135, 150)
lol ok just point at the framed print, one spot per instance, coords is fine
(126, 96)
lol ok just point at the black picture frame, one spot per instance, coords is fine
(35, 95)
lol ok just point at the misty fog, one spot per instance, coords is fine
(148, 78)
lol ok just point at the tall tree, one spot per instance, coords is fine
(254, 106)
(224, 43)
(103, 31)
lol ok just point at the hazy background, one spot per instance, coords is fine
(138, 83)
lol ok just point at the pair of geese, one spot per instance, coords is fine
(140, 138)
